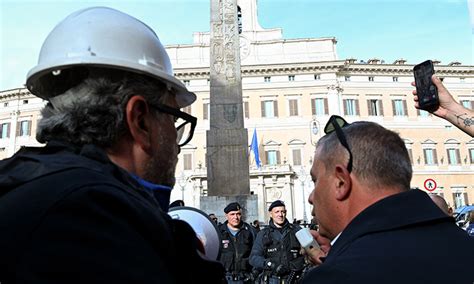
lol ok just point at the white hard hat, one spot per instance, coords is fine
(105, 38)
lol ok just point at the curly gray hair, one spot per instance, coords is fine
(93, 111)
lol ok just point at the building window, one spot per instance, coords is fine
(319, 106)
(351, 107)
(4, 130)
(272, 157)
(269, 109)
(246, 109)
(296, 157)
(317, 77)
(187, 109)
(395, 79)
(205, 111)
(453, 157)
(187, 162)
(25, 102)
(375, 107)
(462, 79)
(471, 155)
(410, 154)
(186, 82)
(371, 78)
(347, 78)
(293, 104)
(423, 113)
(430, 157)
(208, 81)
(467, 104)
(291, 77)
(5, 104)
(24, 128)
(460, 199)
(399, 107)
(266, 79)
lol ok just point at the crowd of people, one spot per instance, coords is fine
(274, 255)
(91, 205)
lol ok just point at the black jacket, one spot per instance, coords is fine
(235, 250)
(403, 238)
(69, 215)
(280, 247)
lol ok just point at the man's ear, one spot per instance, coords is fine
(343, 182)
(138, 116)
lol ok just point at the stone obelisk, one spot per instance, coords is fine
(227, 160)
(227, 139)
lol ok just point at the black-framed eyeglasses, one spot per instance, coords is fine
(336, 123)
(184, 123)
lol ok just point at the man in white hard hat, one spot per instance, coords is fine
(90, 206)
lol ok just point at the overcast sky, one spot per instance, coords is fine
(386, 29)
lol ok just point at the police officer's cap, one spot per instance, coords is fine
(276, 203)
(234, 206)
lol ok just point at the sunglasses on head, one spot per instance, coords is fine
(336, 123)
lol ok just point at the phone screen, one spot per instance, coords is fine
(426, 91)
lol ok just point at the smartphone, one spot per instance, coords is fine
(425, 89)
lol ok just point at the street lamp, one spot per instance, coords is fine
(314, 128)
(183, 179)
(303, 176)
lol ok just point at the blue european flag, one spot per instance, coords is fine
(254, 148)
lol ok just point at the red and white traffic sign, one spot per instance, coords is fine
(430, 184)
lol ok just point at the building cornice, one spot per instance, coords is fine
(257, 42)
(342, 67)
(267, 69)
(18, 92)
(403, 69)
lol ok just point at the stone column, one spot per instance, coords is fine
(227, 141)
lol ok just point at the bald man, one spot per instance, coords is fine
(442, 204)
(380, 229)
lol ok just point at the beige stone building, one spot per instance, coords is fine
(290, 88)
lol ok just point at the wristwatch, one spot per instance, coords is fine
(269, 264)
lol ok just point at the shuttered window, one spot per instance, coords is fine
(319, 106)
(351, 107)
(293, 107)
(375, 107)
(5, 130)
(269, 109)
(399, 107)
(187, 162)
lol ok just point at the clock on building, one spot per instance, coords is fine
(244, 47)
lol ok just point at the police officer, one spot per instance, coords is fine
(276, 251)
(237, 239)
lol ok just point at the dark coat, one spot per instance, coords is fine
(280, 247)
(404, 238)
(69, 215)
(235, 250)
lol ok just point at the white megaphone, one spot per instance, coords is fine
(203, 226)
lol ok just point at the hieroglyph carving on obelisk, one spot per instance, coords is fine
(226, 153)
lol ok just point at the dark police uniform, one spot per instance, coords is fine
(276, 253)
(235, 252)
